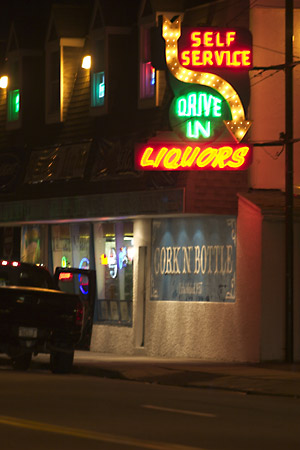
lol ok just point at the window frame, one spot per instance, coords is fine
(53, 116)
(99, 35)
(117, 310)
(147, 22)
(14, 84)
(51, 47)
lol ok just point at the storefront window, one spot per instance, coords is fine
(114, 266)
(71, 245)
(34, 244)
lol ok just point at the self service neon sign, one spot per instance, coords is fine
(206, 113)
(213, 47)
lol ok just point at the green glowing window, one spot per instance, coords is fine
(98, 89)
(13, 105)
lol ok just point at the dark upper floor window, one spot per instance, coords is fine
(54, 82)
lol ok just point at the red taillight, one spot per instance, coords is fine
(4, 262)
(65, 276)
(79, 314)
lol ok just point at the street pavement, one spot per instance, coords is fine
(277, 379)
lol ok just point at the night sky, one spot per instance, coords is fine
(26, 8)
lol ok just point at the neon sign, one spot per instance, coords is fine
(198, 105)
(206, 106)
(65, 276)
(115, 262)
(83, 280)
(215, 48)
(64, 262)
(199, 114)
(179, 156)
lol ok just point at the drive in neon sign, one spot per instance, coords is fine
(215, 48)
(201, 76)
(198, 114)
(179, 156)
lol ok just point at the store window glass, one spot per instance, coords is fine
(34, 244)
(114, 253)
(71, 245)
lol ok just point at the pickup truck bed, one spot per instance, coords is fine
(37, 319)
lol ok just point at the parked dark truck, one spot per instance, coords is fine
(36, 317)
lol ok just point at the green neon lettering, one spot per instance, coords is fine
(195, 129)
(181, 107)
(198, 105)
(192, 104)
(207, 104)
(217, 107)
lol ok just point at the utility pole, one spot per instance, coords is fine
(289, 182)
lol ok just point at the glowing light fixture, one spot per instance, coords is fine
(3, 82)
(86, 62)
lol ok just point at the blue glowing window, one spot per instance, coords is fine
(98, 89)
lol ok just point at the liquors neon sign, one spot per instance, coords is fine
(193, 157)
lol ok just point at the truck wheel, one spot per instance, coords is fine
(61, 362)
(21, 362)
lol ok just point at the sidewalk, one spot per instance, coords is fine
(277, 379)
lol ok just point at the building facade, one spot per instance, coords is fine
(184, 259)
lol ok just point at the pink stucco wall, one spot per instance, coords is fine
(267, 110)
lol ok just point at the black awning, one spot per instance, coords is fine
(59, 163)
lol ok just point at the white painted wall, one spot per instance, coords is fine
(267, 106)
(213, 331)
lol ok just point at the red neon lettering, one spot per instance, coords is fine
(145, 161)
(196, 58)
(160, 156)
(238, 157)
(208, 39)
(172, 158)
(187, 160)
(207, 58)
(223, 58)
(211, 39)
(206, 157)
(196, 40)
(185, 58)
(218, 41)
(175, 157)
(215, 48)
(223, 154)
(246, 58)
(219, 58)
(65, 276)
(230, 37)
